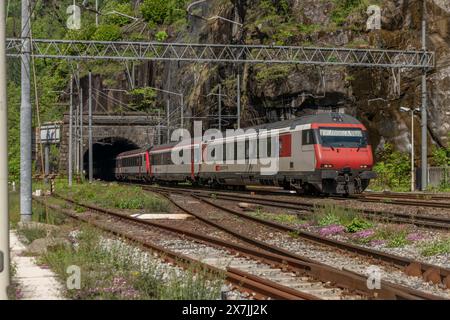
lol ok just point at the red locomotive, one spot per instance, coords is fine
(324, 153)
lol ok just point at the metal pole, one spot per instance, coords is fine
(413, 180)
(159, 127)
(96, 13)
(182, 111)
(77, 138)
(70, 132)
(239, 101)
(81, 133)
(25, 118)
(220, 107)
(46, 160)
(168, 120)
(91, 167)
(4, 218)
(424, 104)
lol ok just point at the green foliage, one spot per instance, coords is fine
(440, 157)
(393, 168)
(117, 19)
(155, 11)
(358, 224)
(436, 247)
(143, 98)
(332, 214)
(31, 233)
(271, 74)
(396, 236)
(161, 36)
(343, 8)
(115, 196)
(115, 271)
(107, 32)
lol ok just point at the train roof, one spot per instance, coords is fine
(291, 123)
(132, 152)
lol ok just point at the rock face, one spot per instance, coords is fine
(274, 92)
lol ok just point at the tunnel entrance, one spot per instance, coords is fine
(104, 153)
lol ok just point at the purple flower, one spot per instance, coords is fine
(378, 242)
(331, 230)
(414, 236)
(364, 234)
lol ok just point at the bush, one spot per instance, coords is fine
(161, 36)
(118, 19)
(155, 11)
(107, 32)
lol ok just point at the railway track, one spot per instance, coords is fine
(289, 278)
(427, 221)
(400, 262)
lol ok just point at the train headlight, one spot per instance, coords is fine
(364, 166)
(327, 166)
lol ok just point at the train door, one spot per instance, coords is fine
(307, 159)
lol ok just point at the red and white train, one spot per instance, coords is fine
(324, 153)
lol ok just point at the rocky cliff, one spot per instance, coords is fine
(273, 92)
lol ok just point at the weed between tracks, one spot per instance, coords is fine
(114, 196)
(111, 269)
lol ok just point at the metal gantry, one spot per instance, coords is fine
(202, 53)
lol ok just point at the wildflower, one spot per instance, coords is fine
(377, 242)
(415, 236)
(331, 230)
(364, 234)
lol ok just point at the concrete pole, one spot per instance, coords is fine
(81, 132)
(91, 166)
(25, 118)
(220, 107)
(239, 101)
(424, 104)
(4, 218)
(71, 132)
(413, 178)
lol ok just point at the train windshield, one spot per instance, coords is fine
(343, 137)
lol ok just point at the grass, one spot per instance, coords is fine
(278, 217)
(350, 218)
(112, 195)
(113, 270)
(436, 248)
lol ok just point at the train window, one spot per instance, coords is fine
(307, 137)
(247, 147)
(269, 146)
(235, 151)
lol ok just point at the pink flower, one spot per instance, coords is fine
(331, 230)
(414, 236)
(364, 234)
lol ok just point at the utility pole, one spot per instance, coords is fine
(238, 101)
(168, 120)
(81, 132)
(25, 118)
(413, 178)
(182, 112)
(96, 13)
(46, 161)
(71, 132)
(4, 218)
(159, 127)
(424, 174)
(220, 107)
(77, 138)
(91, 166)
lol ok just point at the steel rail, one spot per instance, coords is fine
(389, 258)
(420, 220)
(244, 281)
(344, 279)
